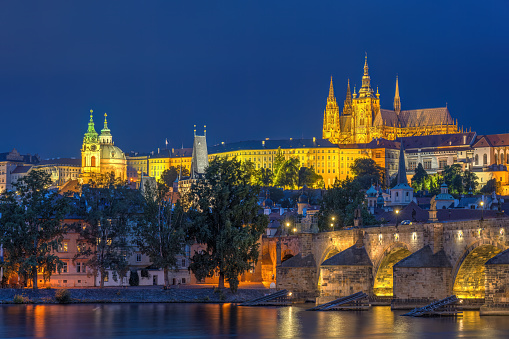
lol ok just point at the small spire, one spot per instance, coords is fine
(331, 89)
(204, 130)
(91, 115)
(397, 101)
(366, 90)
(402, 179)
(105, 121)
(194, 130)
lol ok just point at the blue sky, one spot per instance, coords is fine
(246, 69)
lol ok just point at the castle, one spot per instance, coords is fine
(362, 119)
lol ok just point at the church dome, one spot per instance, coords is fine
(112, 152)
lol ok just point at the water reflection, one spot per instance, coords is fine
(220, 321)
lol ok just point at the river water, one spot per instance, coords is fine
(227, 321)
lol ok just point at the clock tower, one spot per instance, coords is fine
(90, 152)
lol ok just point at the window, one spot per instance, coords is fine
(442, 163)
(377, 155)
(412, 165)
(485, 159)
(477, 159)
(64, 267)
(78, 267)
(106, 276)
(138, 257)
(64, 246)
(92, 161)
(183, 264)
(427, 164)
(183, 280)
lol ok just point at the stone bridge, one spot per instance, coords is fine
(425, 261)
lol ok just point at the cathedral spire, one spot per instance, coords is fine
(331, 89)
(348, 93)
(366, 90)
(397, 102)
(105, 121)
(347, 107)
(91, 134)
(105, 136)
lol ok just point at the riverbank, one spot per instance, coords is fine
(131, 295)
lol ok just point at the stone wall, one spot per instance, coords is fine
(497, 284)
(341, 281)
(298, 280)
(427, 283)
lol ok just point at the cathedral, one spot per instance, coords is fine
(99, 155)
(362, 119)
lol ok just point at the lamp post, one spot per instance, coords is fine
(288, 226)
(332, 223)
(482, 209)
(397, 217)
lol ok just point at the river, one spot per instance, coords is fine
(227, 321)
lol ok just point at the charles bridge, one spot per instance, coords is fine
(421, 261)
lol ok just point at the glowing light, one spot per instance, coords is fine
(460, 234)
(380, 237)
(396, 236)
(289, 294)
(414, 235)
(287, 224)
(501, 231)
(294, 230)
(397, 211)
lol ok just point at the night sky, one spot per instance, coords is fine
(246, 69)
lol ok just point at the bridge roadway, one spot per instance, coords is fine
(425, 261)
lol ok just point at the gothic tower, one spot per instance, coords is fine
(331, 116)
(365, 108)
(397, 102)
(90, 152)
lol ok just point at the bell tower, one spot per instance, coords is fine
(90, 152)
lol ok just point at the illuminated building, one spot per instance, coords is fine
(9, 161)
(362, 119)
(99, 155)
(62, 170)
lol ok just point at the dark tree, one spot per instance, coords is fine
(419, 178)
(225, 216)
(161, 232)
(108, 214)
(263, 177)
(31, 226)
(367, 172)
(340, 202)
(491, 186)
(308, 177)
(453, 178)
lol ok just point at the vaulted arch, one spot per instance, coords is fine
(469, 271)
(383, 275)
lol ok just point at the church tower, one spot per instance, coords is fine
(90, 152)
(397, 102)
(365, 108)
(331, 116)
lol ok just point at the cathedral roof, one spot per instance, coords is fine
(414, 118)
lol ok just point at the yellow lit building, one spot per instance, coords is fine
(362, 119)
(99, 155)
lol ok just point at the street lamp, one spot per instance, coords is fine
(332, 223)
(482, 210)
(397, 217)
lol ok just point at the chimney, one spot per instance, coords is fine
(464, 138)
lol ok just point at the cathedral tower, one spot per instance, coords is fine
(331, 116)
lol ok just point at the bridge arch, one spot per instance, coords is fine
(331, 251)
(383, 267)
(468, 275)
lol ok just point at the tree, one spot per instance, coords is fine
(340, 202)
(288, 174)
(367, 172)
(160, 232)
(453, 178)
(492, 185)
(31, 226)
(279, 159)
(263, 177)
(276, 194)
(108, 214)
(419, 178)
(169, 175)
(224, 216)
(470, 181)
(308, 177)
